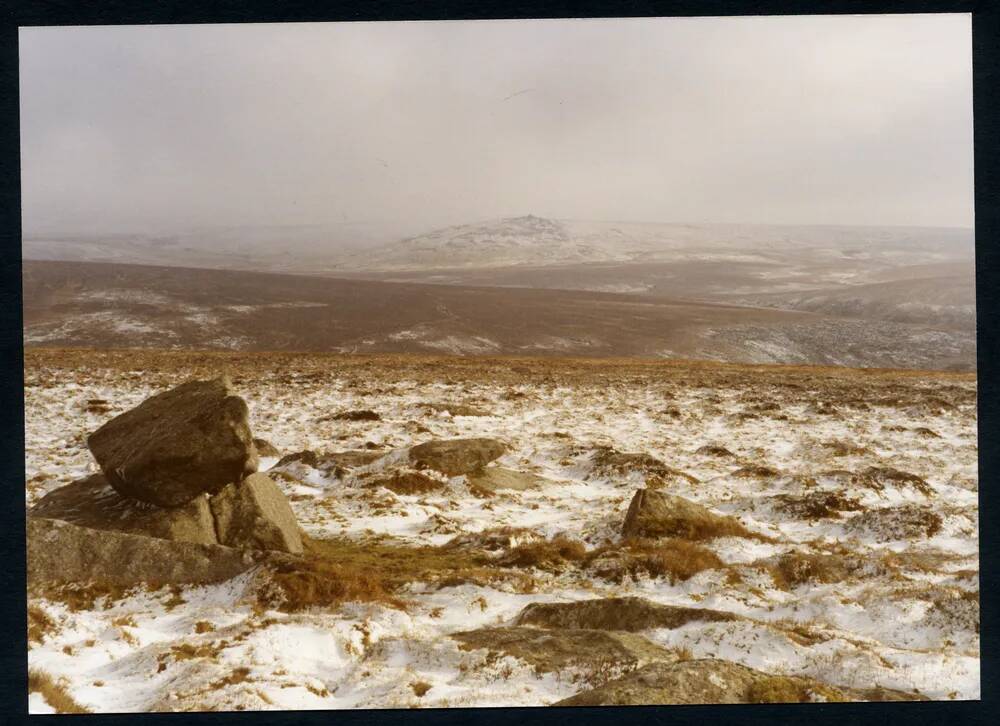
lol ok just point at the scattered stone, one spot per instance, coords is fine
(266, 448)
(190, 440)
(654, 513)
(755, 471)
(456, 409)
(629, 614)
(719, 452)
(91, 502)
(493, 478)
(97, 406)
(307, 457)
(550, 651)
(255, 514)
(362, 415)
(455, 457)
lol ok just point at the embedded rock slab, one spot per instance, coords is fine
(254, 513)
(61, 553)
(709, 680)
(629, 614)
(552, 651)
(455, 457)
(91, 502)
(178, 444)
(495, 478)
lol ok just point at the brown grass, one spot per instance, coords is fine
(877, 477)
(395, 565)
(239, 675)
(303, 584)
(552, 555)
(676, 559)
(203, 626)
(54, 693)
(784, 689)
(816, 505)
(39, 624)
(797, 568)
(82, 596)
(420, 688)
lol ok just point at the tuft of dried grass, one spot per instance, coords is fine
(552, 555)
(797, 568)
(816, 505)
(301, 584)
(54, 693)
(40, 624)
(675, 559)
(785, 689)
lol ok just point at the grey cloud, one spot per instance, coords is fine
(408, 126)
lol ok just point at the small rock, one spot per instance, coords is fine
(266, 448)
(493, 478)
(456, 456)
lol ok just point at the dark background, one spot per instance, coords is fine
(986, 78)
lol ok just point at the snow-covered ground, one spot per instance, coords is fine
(905, 618)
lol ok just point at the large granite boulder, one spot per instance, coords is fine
(91, 502)
(456, 456)
(654, 513)
(190, 440)
(254, 513)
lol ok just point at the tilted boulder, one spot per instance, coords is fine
(254, 513)
(91, 502)
(455, 457)
(654, 513)
(178, 444)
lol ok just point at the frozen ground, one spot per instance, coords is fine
(893, 602)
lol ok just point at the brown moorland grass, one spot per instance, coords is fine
(164, 367)
(553, 554)
(39, 624)
(676, 559)
(341, 570)
(785, 689)
(54, 693)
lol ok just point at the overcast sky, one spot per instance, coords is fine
(405, 127)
